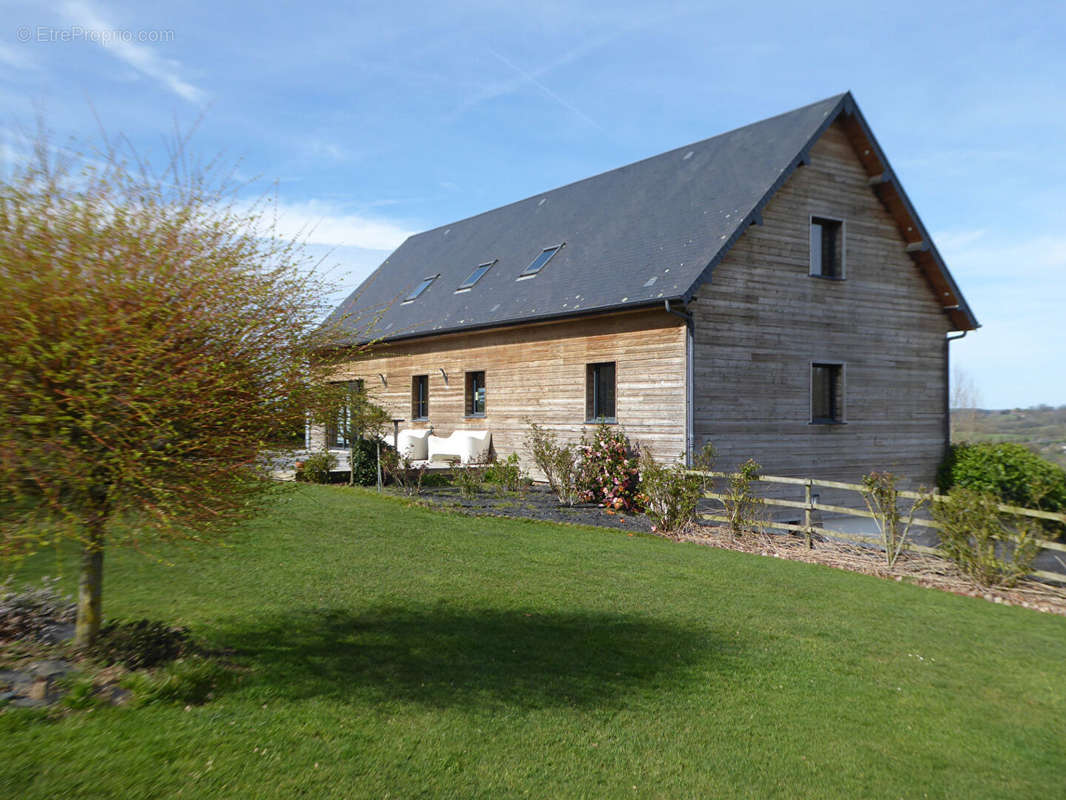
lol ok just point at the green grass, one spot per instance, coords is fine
(394, 651)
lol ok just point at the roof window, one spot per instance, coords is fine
(421, 288)
(539, 262)
(476, 275)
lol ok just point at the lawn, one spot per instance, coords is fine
(394, 651)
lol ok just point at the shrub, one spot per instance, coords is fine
(364, 464)
(882, 498)
(316, 467)
(557, 461)
(741, 504)
(34, 612)
(610, 470)
(141, 644)
(468, 479)
(506, 474)
(401, 471)
(672, 492)
(1010, 471)
(973, 535)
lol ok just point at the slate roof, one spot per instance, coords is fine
(634, 236)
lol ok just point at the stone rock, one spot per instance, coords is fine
(39, 690)
(53, 668)
(58, 633)
(15, 679)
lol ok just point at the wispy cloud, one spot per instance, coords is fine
(1037, 260)
(16, 58)
(319, 148)
(955, 241)
(144, 59)
(9, 155)
(532, 79)
(1016, 286)
(317, 223)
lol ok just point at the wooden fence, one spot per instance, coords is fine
(809, 506)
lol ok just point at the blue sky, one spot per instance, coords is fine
(379, 120)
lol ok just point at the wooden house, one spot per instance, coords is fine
(770, 290)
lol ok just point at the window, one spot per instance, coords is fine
(475, 394)
(599, 392)
(421, 288)
(476, 275)
(538, 263)
(827, 393)
(338, 433)
(827, 248)
(420, 397)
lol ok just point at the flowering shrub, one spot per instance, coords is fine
(610, 470)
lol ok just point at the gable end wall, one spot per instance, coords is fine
(761, 320)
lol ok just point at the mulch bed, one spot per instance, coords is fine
(539, 503)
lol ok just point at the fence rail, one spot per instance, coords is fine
(810, 506)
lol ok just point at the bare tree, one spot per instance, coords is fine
(965, 406)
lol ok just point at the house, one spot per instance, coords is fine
(770, 290)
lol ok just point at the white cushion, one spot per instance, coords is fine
(441, 448)
(414, 443)
(466, 446)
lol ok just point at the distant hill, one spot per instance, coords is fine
(1042, 428)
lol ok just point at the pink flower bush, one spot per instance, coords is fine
(609, 472)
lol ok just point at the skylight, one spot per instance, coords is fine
(539, 262)
(476, 275)
(421, 288)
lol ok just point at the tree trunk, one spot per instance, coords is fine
(90, 586)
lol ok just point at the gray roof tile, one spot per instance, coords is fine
(636, 235)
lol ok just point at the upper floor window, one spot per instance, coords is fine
(475, 394)
(827, 393)
(599, 392)
(827, 247)
(539, 262)
(420, 397)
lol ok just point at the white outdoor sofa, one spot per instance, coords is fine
(465, 446)
(414, 443)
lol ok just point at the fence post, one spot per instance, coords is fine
(807, 513)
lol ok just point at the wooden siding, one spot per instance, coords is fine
(761, 320)
(537, 372)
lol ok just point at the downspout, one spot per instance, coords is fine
(690, 327)
(947, 388)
